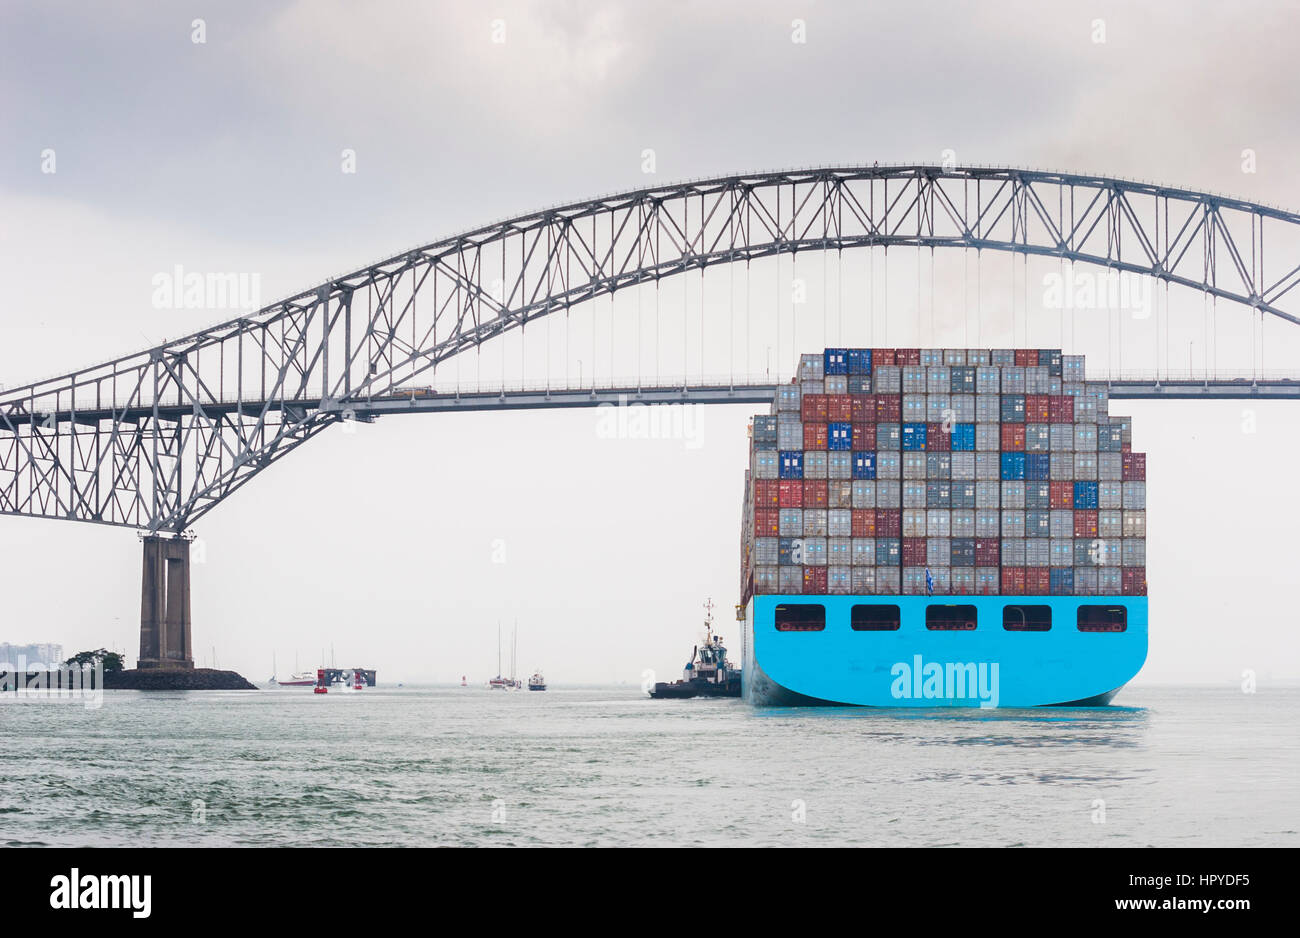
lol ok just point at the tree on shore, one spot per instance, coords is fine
(111, 659)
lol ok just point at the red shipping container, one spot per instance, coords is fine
(909, 356)
(767, 493)
(1013, 581)
(791, 493)
(937, 439)
(815, 436)
(1060, 494)
(1026, 357)
(863, 408)
(812, 408)
(1037, 409)
(1135, 581)
(889, 522)
(889, 408)
(814, 579)
(814, 493)
(767, 522)
(1013, 437)
(1038, 581)
(883, 356)
(988, 552)
(864, 522)
(839, 408)
(914, 552)
(1126, 447)
(1060, 408)
(1135, 467)
(864, 436)
(1085, 522)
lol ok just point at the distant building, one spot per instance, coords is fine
(46, 653)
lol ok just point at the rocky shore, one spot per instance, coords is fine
(198, 679)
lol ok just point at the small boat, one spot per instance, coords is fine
(707, 674)
(537, 682)
(298, 679)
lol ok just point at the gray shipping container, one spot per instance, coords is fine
(889, 465)
(886, 379)
(1110, 523)
(938, 380)
(889, 436)
(889, 493)
(938, 409)
(1135, 494)
(913, 522)
(913, 494)
(790, 522)
(864, 580)
(913, 379)
(938, 550)
(839, 551)
(1135, 523)
(839, 522)
(789, 436)
(988, 523)
(1110, 466)
(1061, 466)
(988, 408)
(765, 464)
(888, 581)
(913, 465)
(1038, 494)
(839, 464)
(988, 437)
(963, 408)
(963, 466)
(977, 356)
(1062, 551)
(938, 522)
(812, 387)
(1110, 494)
(988, 380)
(1013, 380)
(864, 493)
(963, 522)
(765, 551)
(839, 580)
(814, 522)
(1013, 525)
(864, 551)
(1085, 466)
(988, 466)
(765, 580)
(938, 465)
(1038, 438)
(1013, 551)
(814, 464)
(1133, 552)
(1062, 437)
(1085, 437)
(839, 493)
(1037, 552)
(1013, 495)
(837, 384)
(1061, 522)
(988, 494)
(913, 408)
(814, 550)
(1038, 522)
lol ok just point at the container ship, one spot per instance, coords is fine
(942, 527)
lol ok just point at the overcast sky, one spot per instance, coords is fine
(225, 155)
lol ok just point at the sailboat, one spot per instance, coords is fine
(498, 682)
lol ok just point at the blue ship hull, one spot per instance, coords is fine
(913, 666)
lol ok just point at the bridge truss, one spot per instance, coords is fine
(155, 440)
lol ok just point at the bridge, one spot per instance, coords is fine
(155, 440)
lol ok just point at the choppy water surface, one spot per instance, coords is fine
(606, 766)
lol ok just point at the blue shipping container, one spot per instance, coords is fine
(963, 437)
(1038, 467)
(913, 437)
(864, 464)
(859, 361)
(791, 466)
(1013, 467)
(1061, 581)
(839, 436)
(836, 361)
(1085, 495)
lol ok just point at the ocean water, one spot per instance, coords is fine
(1192, 766)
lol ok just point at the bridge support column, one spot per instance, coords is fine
(165, 605)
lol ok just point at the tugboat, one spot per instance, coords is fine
(707, 674)
(537, 682)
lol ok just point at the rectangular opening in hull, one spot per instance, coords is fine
(800, 617)
(875, 618)
(1103, 618)
(950, 618)
(1027, 618)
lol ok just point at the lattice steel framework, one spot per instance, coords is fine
(155, 440)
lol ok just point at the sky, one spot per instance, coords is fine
(402, 546)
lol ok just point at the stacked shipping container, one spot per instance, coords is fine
(961, 471)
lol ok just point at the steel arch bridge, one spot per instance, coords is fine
(155, 440)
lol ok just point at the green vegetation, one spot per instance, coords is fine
(111, 659)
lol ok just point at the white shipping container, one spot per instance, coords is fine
(1085, 466)
(963, 522)
(1013, 525)
(977, 356)
(938, 522)
(1037, 552)
(765, 464)
(988, 523)
(839, 522)
(913, 494)
(913, 379)
(1135, 494)
(889, 464)
(1062, 551)
(963, 408)
(938, 380)
(839, 464)
(839, 551)
(1135, 523)
(913, 522)
(988, 466)
(1013, 380)
(988, 437)
(1013, 495)
(837, 384)
(988, 380)
(913, 465)
(790, 522)
(864, 551)
(889, 493)
(839, 580)
(814, 522)
(789, 436)
(864, 493)
(886, 379)
(938, 408)
(988, 494)
(963, 466)
(814, 551)
(814, 464)
(1085, 437)
(812, 366)
(988, 409)
(938, 552)
(1110, 494)
(1072, 367)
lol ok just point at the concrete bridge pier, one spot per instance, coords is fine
(165, 642)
